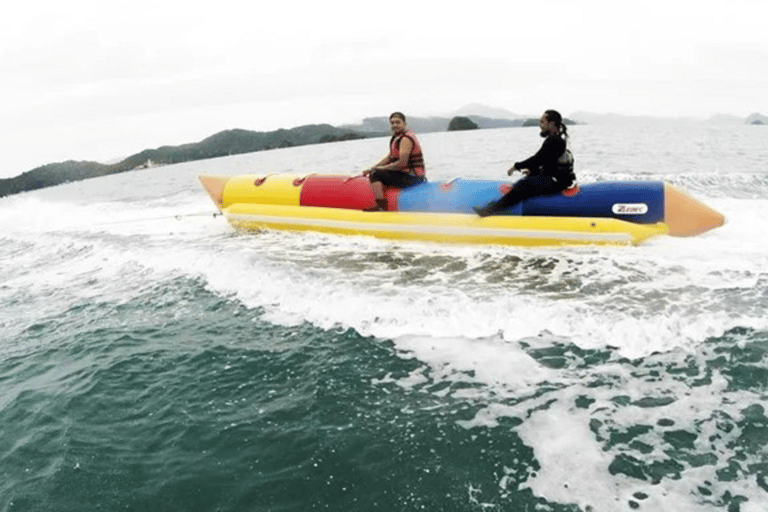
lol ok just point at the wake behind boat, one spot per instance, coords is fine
(614, 212)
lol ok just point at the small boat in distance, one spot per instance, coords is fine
(611, 212)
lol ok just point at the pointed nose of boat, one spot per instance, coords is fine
(686, 216)
(214, 185)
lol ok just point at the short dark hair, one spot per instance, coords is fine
(397, 114)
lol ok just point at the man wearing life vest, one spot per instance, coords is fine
(403, 167)
(549, 171)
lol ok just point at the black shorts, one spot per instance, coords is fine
(395, 179)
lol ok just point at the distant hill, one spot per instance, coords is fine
(478, 109)
(725, 119)
(237, 141)
(757, 119)
(534, 121)
(611, 118)
(233, 142)
(229, 142)
(380, 125)
(483, 116)
(460, 123)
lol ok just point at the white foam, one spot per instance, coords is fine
(491, 361)
(575, 457)
(467, 313)
(668, 293)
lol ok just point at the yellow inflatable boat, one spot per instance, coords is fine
(616, 213)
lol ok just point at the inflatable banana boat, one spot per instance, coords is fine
(615, 212)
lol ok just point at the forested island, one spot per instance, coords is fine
(234, 142)
(238, 141)
(228, 142)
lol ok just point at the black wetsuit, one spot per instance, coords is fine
(546, 176)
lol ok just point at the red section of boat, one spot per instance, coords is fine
(353, 193)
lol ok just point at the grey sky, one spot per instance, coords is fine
(95, 80)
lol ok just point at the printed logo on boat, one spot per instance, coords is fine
(629, 208)
(504, 188)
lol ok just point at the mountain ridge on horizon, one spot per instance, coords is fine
(223, 143)
(238, 141)
(480, 109)
(587, 116)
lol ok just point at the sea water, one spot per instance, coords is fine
(152, 358)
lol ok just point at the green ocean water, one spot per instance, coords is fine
(153, 359)
(216, 409)
(219, 410)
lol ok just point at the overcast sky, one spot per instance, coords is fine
(103, 79)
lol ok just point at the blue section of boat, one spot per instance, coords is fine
(455, 196)
(601, 199)
(598, 200)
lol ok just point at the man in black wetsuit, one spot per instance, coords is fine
(549, 171)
